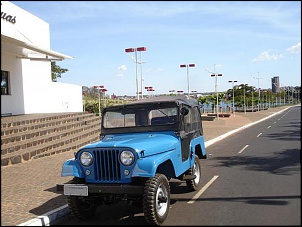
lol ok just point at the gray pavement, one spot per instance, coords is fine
(28, 190)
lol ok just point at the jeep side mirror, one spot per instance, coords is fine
(184, 111)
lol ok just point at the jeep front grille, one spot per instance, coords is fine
(107, 166)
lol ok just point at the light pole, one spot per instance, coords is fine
(187, 66)
(129, 50)
(179, 92)
(213, 74)
(244, 85)
(99, 88)
(195, 93)
(261, 99)
(253, 99)
(171, 92)
(233, 81)
(258, 89)
(104, 95)
(149, 89)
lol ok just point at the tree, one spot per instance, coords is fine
(56, 71)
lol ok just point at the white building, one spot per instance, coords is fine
(26, 84)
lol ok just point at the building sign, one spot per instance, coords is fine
(8, 17)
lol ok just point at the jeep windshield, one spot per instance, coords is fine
(139, 118)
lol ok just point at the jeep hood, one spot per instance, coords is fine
(151, 143)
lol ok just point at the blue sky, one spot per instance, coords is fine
(244, 40)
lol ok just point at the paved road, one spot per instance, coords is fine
(28, 190)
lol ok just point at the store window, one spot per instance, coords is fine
(4, 83)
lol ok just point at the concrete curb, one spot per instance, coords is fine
(47, 218)
(51, 216)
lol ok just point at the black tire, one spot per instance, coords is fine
(156, 199)
(194, 185)
(80, 206)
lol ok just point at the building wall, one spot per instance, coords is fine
(27, 27)
(14, 102)
(31, 87)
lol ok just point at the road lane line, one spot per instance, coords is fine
(243, 148)
(269, 126)
(196, 196)
(259, 134)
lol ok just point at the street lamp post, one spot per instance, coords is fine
(233, 81)
(195, 93)
(258, 89)
(213, 74)
(187, 66)
(129, 50)
(171, 92)
(179, 92)
(244, 85)
(104, 95)
(252, 99)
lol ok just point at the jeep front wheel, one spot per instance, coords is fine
(80, 206)
(156, 199)
(195, 170)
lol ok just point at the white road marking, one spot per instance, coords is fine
(259, 134)
(269, 126)
(196, 196)
(243, 148)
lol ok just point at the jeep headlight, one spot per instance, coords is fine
(127, 158)
(86, 159)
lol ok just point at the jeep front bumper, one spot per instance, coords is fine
(85, 189)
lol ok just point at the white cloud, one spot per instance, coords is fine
(122, 68)
(265, 56)
(295, 49)
(155, 70)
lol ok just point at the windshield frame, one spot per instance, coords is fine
(140, 110)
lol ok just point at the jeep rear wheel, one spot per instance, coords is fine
(156, 199)
(194, 184)
(80, 206)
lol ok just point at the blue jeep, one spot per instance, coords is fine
(142, 146)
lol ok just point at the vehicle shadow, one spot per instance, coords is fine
(281, 163)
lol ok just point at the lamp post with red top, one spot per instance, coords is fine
(129, 50)
(100, 89)
(187, 66)
(103, 90)
(149, 89)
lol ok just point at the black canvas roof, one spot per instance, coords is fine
(184, 99)
(170, 98)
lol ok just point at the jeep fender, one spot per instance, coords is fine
(147, 166)
(72, 168)
(197, 145)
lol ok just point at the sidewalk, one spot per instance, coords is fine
(28, 190)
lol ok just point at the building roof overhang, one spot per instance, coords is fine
(26, 50)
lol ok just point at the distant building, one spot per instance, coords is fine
(26, 83)
(275, 84)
